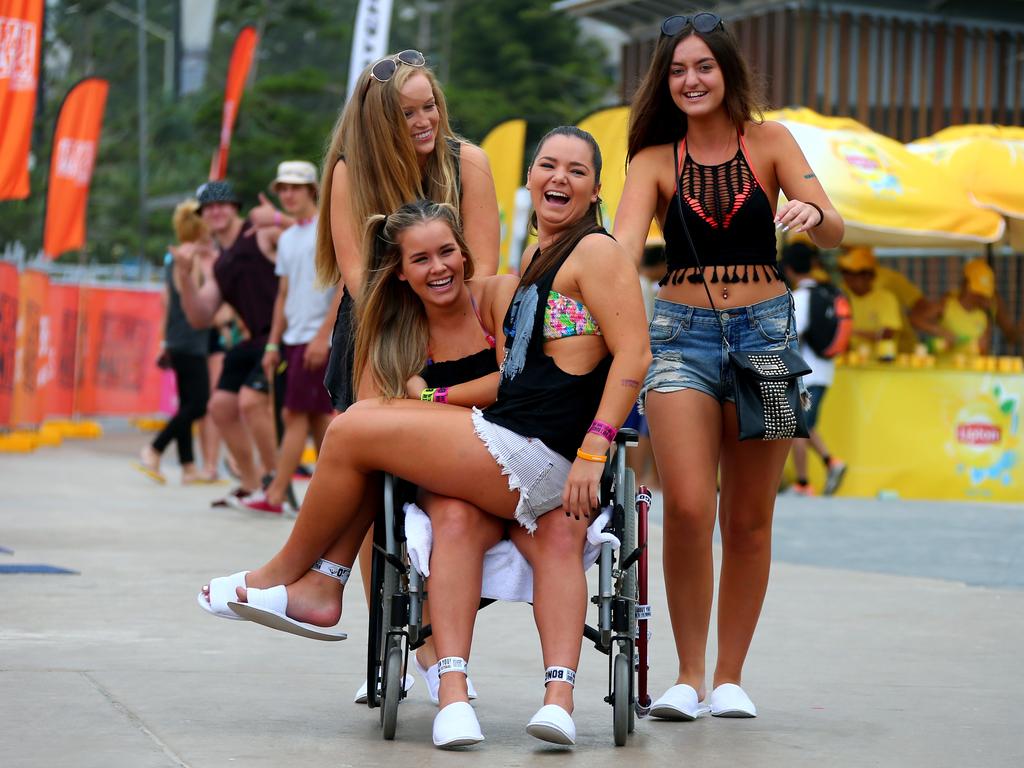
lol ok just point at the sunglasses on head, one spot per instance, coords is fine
(701, 22)
(385, 69)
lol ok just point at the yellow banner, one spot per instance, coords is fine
(926, 434)
(504, 149)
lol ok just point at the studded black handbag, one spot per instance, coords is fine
(769, 405)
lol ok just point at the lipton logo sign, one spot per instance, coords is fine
(978, 434)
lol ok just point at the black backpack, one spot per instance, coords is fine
(829, 321)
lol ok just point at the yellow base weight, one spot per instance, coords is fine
(69, 428)
(50, 435)
(149, 424)
(309, 455)
(19, 442)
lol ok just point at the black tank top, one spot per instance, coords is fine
(536, 398)
(729, 218)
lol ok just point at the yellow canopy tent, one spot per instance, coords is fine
(887, 195)
(988, 160)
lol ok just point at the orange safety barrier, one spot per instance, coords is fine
(59, 351)
(8, 339)
(27, 411)
(119, 341)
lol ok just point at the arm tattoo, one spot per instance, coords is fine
(810, 175)
(631, 383)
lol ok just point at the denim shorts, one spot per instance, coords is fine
(689, 353)
(533, 469)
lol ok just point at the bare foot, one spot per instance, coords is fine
(150, 459)
(314, 599)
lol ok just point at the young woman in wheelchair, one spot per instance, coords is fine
(575, 354)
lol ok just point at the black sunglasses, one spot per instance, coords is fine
(385, 69)
(702, 22)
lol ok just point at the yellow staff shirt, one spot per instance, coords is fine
(968, 325)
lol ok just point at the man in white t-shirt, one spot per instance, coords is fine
(797, 263)
(301, 331)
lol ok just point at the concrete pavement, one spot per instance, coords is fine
(857, 661)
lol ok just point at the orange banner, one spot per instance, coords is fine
(8, 339)
(238, 72)
(58, 349)
(21, 28)
(28, 401)
(75, 144)
(119, 337)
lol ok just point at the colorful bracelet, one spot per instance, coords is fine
(270, 348)
(580, 453)
(427, 395)
(604, 429)
(441, 395)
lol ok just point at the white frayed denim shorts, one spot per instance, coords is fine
(533, 469)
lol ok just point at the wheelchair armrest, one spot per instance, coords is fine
(626, 436)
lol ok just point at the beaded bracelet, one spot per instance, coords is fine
(427, 395)
(580, 453)
(604, 429)
(441, 395)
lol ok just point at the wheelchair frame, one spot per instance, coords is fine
(397, 595)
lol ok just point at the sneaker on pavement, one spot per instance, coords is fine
(260, 503)
(802, 489)
(836, 472)
(232, 499)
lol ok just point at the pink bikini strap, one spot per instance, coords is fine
(750, 165)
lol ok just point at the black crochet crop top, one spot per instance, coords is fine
(730, 220)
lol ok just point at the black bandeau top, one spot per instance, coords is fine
(730, 220)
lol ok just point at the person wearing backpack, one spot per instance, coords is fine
(823, 324)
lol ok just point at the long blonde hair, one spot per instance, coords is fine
(372, 135)
(392, 333)
(189, 227)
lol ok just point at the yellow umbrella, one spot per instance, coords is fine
(989, 161)
(887, 195)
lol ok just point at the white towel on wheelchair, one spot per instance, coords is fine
(507, 574)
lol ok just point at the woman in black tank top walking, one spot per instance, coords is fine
(469, 455)
(701, 161)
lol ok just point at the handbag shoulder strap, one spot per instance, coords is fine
(696, 256)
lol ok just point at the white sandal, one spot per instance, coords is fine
(455, 725)
(551, 722)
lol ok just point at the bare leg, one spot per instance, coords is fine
(228, 418)
(319, 422)
(750, 477)
(209, 435)
(800, 458)
(430, 445)
(685, 433)
(296, 427)
(555, 552)
(462, 534)
(256, 410)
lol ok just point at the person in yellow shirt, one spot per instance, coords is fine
(877, 318)
(966, 316)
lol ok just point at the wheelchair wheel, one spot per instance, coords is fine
(622, 707)
(392, 691)
(629, 581)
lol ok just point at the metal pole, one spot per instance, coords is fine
(143, 129)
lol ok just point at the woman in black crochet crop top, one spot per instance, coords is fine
(701, 162)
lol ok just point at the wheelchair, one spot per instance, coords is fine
(398, 592)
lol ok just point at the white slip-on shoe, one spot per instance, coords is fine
(679, 703)
(222, 590)
(456, 726)
(729, 700)
(360, 694)
(553, 724)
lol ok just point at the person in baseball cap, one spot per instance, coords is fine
(979, 279)
(966, 319)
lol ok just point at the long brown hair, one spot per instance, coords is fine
(372, 135)
(589, 222)
(392, 331)
(654, 118)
